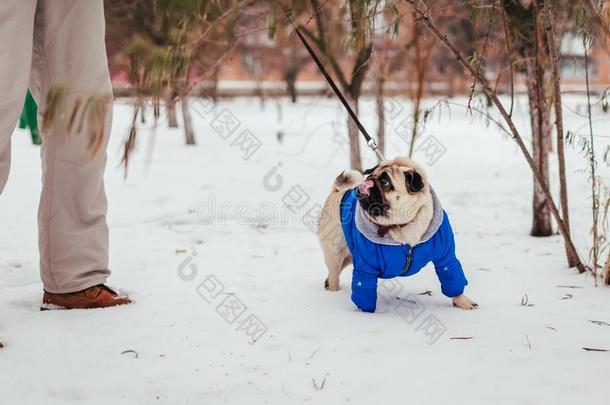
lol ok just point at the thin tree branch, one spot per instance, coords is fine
(554, 53)
(509, 52)
(594, 193)
(474, 83)
(513, 129)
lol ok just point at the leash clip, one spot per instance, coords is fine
(373, 145)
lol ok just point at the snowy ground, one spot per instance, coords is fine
(205, 214)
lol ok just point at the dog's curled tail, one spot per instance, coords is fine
(347, 180)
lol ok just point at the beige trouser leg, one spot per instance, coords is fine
(68, 51)
(16, 30)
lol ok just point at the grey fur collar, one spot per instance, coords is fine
(369, 229)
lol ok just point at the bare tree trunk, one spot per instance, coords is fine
(188, 123)
(421, 61)
(544, 222)
(541, 221)
(293, 68)
(291, 88)
(450, 87)
(607, 271)
(379, 100)
(214, 88)
(170, 106)
(354, 136)
(416, 114)
(541, 137)
(563, 186)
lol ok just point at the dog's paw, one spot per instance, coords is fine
(331, 286)
(462, 301)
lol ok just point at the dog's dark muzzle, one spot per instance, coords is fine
(374, 203)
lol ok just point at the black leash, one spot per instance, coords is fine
(369, 140)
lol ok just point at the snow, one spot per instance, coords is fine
(189, 215)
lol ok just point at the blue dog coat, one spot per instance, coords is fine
(377, 257)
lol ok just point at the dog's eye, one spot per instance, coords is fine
(385, 182)
(414, 181)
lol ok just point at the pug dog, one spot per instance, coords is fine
(388, 222)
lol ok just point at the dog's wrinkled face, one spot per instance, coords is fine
(393, 191)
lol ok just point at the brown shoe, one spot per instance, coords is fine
(99, 296)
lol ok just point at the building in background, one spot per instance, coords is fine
(280, 66)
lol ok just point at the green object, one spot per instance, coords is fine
(29, 118)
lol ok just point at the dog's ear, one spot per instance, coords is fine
(414, 181)
(369, 171)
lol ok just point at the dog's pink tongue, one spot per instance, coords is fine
(364, 187)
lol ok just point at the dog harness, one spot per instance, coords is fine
(376, 255)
